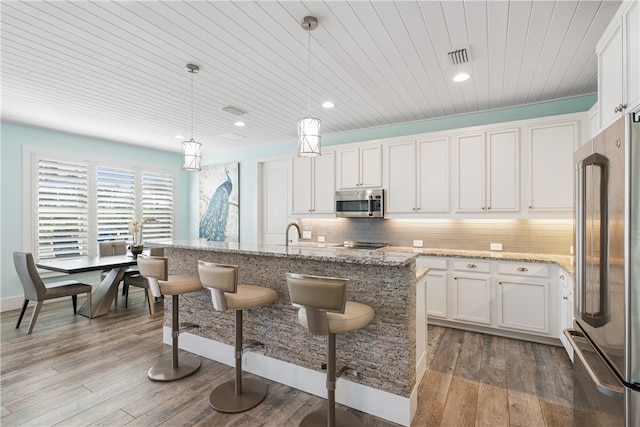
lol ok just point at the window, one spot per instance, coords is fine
(80, 203)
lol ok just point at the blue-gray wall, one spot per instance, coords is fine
(14, 136)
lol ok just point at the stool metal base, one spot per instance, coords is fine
(164, 370)
(319, 419)
(224, 398)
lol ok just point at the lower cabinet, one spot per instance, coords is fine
(565, 320)
(421, 328)
(516, 299)
(471, 288)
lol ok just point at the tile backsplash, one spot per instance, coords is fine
(516, 235)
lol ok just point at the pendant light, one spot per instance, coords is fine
(191, 149)
(308, 126)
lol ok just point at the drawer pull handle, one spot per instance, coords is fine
(471, 266)
(523, 269)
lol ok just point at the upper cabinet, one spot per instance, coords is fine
(359, 167)
(417, 176)
(550, 156)
(488, 172)
(313, 184)
(619, 65)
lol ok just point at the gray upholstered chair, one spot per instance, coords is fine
(139, 281)
(324, 310)
(156, 271)
(116, 247)
(36, 290)
(239, 394)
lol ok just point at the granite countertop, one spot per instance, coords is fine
(565, 261)
(306, 251)
(421, 272)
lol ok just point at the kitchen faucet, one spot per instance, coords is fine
(286, 233)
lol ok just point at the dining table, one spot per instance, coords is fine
(103, 294)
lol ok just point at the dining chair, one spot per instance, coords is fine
(116, 247)
(35, 289)
(139, 281)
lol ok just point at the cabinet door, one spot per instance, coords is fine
(632, 35)
(301, 184)
(503, 165)
(523, 304)
(551, 167)
(566, 310)
(421, 329)
(348, 168)
(437, 294)
(610, 77)
(471, 173)
(371, 166)
(324, 184)
(472, 302)
(401, 176)
(433, 176)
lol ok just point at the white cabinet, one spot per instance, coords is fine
(551, 150)
(313, 186)
(488, 171)
(619, 65)
(523, 297)
(566, 309)
(359, 167)
(471, 291)
(417, 176)
(421, 328)
(436, 285)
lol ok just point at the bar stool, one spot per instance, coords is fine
(156, 271)
(324, 310)
(240, 394)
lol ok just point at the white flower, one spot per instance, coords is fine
(135, 226)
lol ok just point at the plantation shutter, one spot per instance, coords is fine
(63, 209)
(115, 203)
(157, 202)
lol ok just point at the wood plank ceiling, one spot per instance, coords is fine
(115, 70)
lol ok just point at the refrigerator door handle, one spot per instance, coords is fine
(610, 390)
(602, 316)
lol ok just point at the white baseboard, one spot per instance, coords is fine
(12, 303)
(379, 403)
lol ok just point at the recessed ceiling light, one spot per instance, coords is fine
(239, 123)
(179, 137)
(328, 104)
(460, 77)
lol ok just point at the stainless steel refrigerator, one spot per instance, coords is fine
(606, 333)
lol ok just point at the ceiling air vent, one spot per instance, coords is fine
(234, 110)
(458, 57)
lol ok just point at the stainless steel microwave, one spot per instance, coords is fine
(360, 203)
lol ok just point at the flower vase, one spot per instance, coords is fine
(136, 250)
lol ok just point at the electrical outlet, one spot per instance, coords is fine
(320, 239)
(495, 246)
(571, 250)
(306, 234)
(418, 243)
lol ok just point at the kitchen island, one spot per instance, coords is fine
(383, 353)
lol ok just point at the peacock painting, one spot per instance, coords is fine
(219, 206)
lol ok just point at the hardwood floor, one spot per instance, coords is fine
(76, 372)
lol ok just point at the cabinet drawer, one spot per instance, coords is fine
(433, 263)
(524, 268)
(472, 265)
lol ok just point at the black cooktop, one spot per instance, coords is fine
(363, 245)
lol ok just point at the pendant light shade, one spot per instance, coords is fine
(309, 127)
(309, 136)
(191, 149)
(191, 155)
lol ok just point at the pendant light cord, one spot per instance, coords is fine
(309, 72)
(191, 104)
